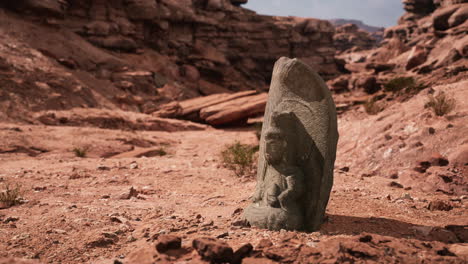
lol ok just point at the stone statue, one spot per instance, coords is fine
(297, 151)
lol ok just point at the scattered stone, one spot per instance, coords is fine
(264, 243)
(213, 250)
(10, 219)
(344, 169)
(460, 231)
(132, 192)
(431, 130)
(223, 235)
(103, 168)
(365, 239)
(168, 242)
(242, 253)
(439, 206)
(133, 165)
(395, 184)
(438, 160)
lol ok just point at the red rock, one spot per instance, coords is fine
(168, 242)
(264, 243)
(417, 57)
(242, 253)
(235, 110)
(368, 84)
(439, 206)
(213, 250)
(438, 160)
(441, 16)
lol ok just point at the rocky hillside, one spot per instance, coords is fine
(429, 44)
(361, 25)
(137, 54)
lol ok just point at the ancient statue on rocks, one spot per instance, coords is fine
(297, 151)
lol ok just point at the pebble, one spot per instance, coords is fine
(134, 165)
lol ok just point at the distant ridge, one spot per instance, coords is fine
(360, 24)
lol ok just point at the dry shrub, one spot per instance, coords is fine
(403, 84)
(372, 107)
(80, 152)
(10, 196)
(441, 104)
(239, 158)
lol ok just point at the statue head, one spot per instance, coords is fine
(277, 138)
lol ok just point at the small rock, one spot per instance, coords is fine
(438, 160)
(431, 130)
(242, 253)
(264, 243)
(223, 235)
(134, 165)
(345, 169)
(365, 239)
(168, 242)
(439, 206)
(131, 239)
(213, 250)
(10, 219)
(132, 192)
(103, 168)
(395, 184)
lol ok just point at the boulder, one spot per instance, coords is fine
(213, 250)
(440, 18)
(141, 9)
(417, 56)
(168, 242)
(368, 84)
(459, 17)
(234, 111)
(419, 6)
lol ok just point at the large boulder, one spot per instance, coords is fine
(440, 18)
(459, 17)
(419, 6)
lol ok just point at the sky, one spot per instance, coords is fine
(381, 13)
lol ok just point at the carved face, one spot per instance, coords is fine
(275, 147)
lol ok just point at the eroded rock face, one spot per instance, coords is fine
(297, 151)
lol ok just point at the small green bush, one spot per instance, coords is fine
(239, 158)
(80, 152)
(10, 196)
(441, 104)
(405, 84)
(372, 107)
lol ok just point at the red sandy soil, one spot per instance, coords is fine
(74, 211)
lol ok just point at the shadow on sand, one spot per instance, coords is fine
(352, 225)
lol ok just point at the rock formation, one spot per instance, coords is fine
(297, 151)
(139, 54)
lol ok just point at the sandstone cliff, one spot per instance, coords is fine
(137, 54)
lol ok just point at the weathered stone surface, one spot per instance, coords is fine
(217, 109)
(297, 151)
(235, 110)
(213, 250)
(417, 57)
(168, 242)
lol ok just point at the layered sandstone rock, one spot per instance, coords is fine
(138, 54)
(349, 36)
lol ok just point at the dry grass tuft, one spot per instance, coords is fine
(372, 107)
(403, 84)
(10, 196)
(80, 152)
(441, 104)
(239, 158)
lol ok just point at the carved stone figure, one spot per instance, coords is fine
(297, 151)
